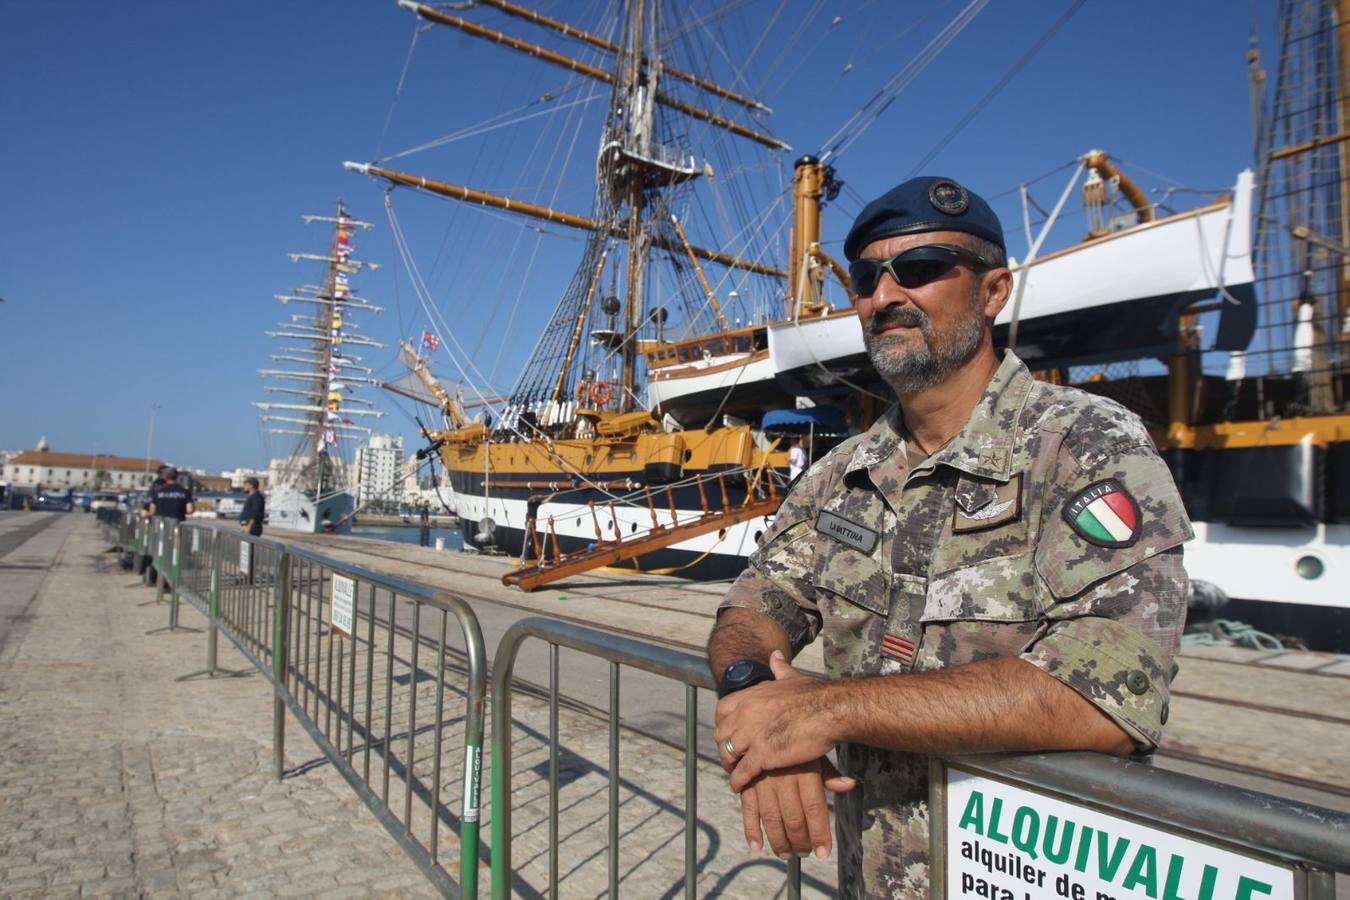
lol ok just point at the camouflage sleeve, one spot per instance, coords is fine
(1109, 558)
(775, 581)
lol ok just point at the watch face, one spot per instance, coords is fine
(741, 668)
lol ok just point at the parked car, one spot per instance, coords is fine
(58, 502)
(103, 501)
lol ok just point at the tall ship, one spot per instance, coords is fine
(691, 348)
(313, 406)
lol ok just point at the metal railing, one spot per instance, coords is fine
(363, 662)
(689, 669)
(345, 649)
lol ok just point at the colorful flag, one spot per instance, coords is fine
(431, 341)
(347, 421)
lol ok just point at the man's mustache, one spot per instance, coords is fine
(891, 316)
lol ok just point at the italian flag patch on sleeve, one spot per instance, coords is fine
(1105, 514)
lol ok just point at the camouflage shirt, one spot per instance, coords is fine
(1049, 529)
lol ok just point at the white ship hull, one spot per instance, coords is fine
(292, 509)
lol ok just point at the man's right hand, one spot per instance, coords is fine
(790, 806)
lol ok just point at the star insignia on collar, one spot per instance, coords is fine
(989, 457)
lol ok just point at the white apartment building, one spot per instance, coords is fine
(379, 469)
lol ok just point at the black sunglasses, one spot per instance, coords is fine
(912, 268)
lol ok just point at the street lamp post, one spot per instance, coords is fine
(149, 439)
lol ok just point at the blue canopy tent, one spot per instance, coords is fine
(818, 420)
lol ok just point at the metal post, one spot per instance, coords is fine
(613, 849)
(174, 569)
(213, 605)
(690, 791)
(280, 618)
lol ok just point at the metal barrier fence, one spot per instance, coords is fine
(363, 662)
(344, 648)
(686, 668)
(998, 824)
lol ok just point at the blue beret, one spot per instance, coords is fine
(923, 204)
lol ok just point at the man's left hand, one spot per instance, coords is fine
(773, 725)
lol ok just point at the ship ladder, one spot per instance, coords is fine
(551, 564)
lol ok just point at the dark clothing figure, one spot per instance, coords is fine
(172, 501)
(252, 513)
(424, 527)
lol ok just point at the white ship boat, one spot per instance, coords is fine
(317, 410)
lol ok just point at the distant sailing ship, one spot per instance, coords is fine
(312, 491)
(651, 435)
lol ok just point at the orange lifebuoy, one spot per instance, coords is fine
(601, 392)
(583, 391)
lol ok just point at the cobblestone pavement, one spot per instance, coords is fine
(125, 772)
(118, 777)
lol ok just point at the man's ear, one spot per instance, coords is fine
(997, 288)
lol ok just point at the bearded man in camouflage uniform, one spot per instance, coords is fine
(994, 565)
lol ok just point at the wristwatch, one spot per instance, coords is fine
(741, 674)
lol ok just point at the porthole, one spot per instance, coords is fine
(758, 536)
(1310, 567)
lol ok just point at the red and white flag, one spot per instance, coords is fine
(430, 341)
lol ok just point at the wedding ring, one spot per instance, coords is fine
(729, 747)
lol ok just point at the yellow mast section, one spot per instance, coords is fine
(582, 68)
(595, 40)
(1099, 162)
(703, 279)
(470, 195)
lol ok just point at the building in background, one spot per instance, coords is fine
(79, 471)
(379, 465)
(237, 476)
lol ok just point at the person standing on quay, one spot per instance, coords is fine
(424, 524)
(251, 516)
(994, 565)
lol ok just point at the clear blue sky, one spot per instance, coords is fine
(156, 157)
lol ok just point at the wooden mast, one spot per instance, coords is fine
(572, 220)
(573, 65)
(639, 120)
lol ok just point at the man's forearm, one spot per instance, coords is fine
(991, 705)
(744, 634)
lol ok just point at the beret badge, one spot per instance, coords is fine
(948, 197)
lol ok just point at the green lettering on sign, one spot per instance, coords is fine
(974, 814)
(1144, 871)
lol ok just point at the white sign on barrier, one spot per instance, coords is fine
(245, 556)
(343, 607)
(159, 552)
(196, 542)
(1006, 843)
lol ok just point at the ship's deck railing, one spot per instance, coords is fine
(1078, 826)
(368, 665)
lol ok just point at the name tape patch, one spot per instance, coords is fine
(859, 537)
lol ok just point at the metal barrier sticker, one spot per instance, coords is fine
(1007, 843)
(160, 551)
(341, 610)
(245, 556)
(473, 769)
(196, 541)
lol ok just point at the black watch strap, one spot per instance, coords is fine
(741, 674)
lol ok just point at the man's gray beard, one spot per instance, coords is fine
(910, 371)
